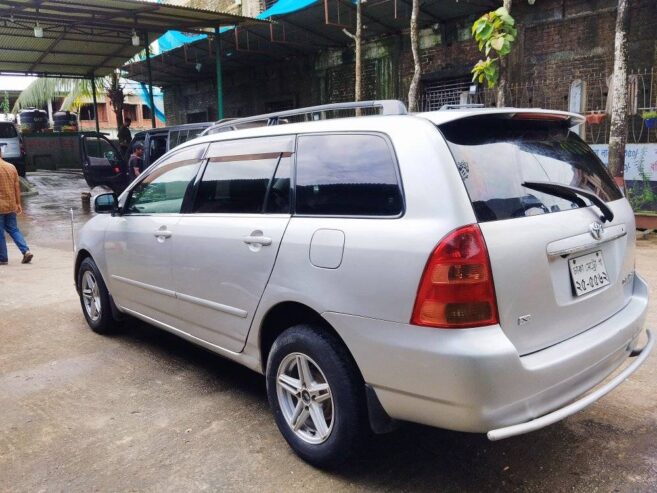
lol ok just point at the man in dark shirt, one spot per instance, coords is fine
(124, 136)
(136, 162)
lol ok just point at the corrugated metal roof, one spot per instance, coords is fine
(85, 37)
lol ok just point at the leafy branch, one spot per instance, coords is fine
(494, 32)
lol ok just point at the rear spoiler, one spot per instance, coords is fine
(450, 114)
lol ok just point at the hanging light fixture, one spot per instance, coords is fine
(135, 38)
(38, 30)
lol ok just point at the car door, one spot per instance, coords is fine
(226, 246)
(138, 241)
(102, 163)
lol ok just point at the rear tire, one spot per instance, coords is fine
(95, 299)
(317, 396)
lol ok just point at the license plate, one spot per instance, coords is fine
(588, 273)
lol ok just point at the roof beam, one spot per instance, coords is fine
(114, 54)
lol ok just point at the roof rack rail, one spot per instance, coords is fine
(387, 106)
(460, 106)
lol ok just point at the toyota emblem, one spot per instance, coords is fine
(596, 229)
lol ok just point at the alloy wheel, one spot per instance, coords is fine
(305, 398)
(91, 296)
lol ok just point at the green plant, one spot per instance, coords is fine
(494, 31)
(641, 194)
(4, 105)
(647, 115)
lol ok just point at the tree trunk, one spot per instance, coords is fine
(115, 94)
(415, 47)
(358, 39)
(618, 134)
(501, 85)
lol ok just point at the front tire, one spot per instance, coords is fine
(95, 299)
(317, 395)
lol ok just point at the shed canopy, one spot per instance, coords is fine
(299, 27)
(82, 38)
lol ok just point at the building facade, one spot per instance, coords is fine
(563, 59)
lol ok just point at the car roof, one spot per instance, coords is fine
(175, 127)
(381, 123)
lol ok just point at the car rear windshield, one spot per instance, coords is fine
(496, 155)
(7, 131)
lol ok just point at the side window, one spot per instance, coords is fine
(98, 147)
(164, 189)
(347, 175)
(173, 138)
(158, 147)
(239, 175)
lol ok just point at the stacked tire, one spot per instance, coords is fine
(65, 121)
(33, 120)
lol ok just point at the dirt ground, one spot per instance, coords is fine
(146, 411)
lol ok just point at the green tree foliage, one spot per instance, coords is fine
(4, 106)
(495, 32)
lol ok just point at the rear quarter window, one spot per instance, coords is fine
(347, 175)
(496, 155)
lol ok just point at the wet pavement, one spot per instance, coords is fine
(46, 217)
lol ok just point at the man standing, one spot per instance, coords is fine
(10, 205)
(124, 136)
(136, 162)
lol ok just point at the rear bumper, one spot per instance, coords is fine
(474, 380)
(580, 404)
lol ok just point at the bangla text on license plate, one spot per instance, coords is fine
(588, 272)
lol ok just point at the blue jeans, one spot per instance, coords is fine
(9, 224)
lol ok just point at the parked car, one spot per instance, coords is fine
(13, 149)
(103, 164)
(469, 269)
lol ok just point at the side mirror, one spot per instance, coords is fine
(105, 203)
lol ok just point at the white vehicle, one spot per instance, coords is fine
(11, 146)
(469, 269)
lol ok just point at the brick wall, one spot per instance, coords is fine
(559, 40)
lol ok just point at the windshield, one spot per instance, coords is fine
(495, 155)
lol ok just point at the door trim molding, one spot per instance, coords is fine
(231, 310)
(143, 285)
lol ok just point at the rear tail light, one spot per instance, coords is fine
(456, 290)
(117, 170)
(23, 152)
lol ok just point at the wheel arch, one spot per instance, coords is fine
(284, 315)
(81, 255)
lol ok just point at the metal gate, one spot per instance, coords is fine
(445, 91)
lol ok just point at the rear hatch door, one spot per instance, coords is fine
(559, 267)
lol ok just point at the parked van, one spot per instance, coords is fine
(469, 269)
(13, 149)
(103, 164)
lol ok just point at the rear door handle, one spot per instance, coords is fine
(163, 234)
(257, 240)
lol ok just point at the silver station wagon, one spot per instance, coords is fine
(470, 269)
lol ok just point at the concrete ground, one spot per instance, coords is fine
(146, 411)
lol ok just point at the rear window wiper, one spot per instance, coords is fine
(569, 192)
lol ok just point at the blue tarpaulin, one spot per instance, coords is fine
(172, 40)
